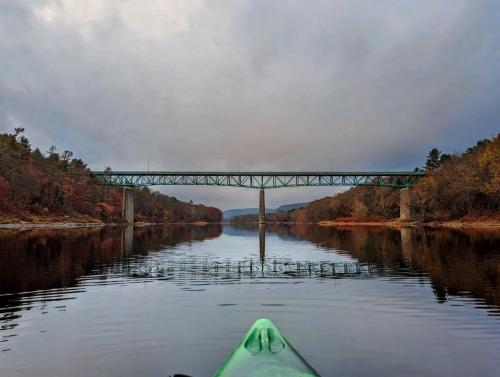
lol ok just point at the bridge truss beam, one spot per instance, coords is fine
(257, 180)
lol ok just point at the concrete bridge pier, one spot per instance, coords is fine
(128, 205)
(405, 204)
(262, 207)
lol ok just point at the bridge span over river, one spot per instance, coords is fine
(402, 180)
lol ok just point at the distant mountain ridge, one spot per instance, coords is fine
(291, 207)
(230, 213)
(240, 212)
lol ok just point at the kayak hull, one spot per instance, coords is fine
(265, 352)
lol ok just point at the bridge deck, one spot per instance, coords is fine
(258, 180)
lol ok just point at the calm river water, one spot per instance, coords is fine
(156, 301)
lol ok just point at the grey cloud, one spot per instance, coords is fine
(256, 84)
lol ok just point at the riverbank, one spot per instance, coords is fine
(384, 223)
(89, 222)
(13, 222)
(491, 223)
(456, 224)
(61, 222)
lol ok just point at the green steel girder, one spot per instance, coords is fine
(258, 180)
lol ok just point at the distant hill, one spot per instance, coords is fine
(456, 186)
(459, 186)
(240, 212)
(291, 207)
(230, 213)
(46, 187)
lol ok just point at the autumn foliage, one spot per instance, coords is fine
(458, 186)
(35, 184)
(463, 186)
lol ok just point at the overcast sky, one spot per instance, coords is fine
(250, 85)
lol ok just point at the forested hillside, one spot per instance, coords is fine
(36, 185)
(456, 186)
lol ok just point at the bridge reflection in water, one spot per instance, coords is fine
(35, 262)
(124, 291)
(197, 267)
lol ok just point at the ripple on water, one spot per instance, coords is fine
(370, 308)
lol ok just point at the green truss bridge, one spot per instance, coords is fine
(258, 180)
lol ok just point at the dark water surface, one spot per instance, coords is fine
(155, 301)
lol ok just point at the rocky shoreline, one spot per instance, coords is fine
(456, 224)
(71, 224)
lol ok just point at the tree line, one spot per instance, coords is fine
(456, 186)
(51, 184)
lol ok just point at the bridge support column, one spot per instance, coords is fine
(128, 205)
(262, 207)
(405, 204)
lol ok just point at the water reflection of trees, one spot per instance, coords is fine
(40, 260)
(457, 262)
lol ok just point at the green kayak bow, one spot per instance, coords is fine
(264, 352)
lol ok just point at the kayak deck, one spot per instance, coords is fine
(264, 351)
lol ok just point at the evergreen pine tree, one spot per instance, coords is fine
(433, 158)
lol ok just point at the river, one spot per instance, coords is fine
(158, 301)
